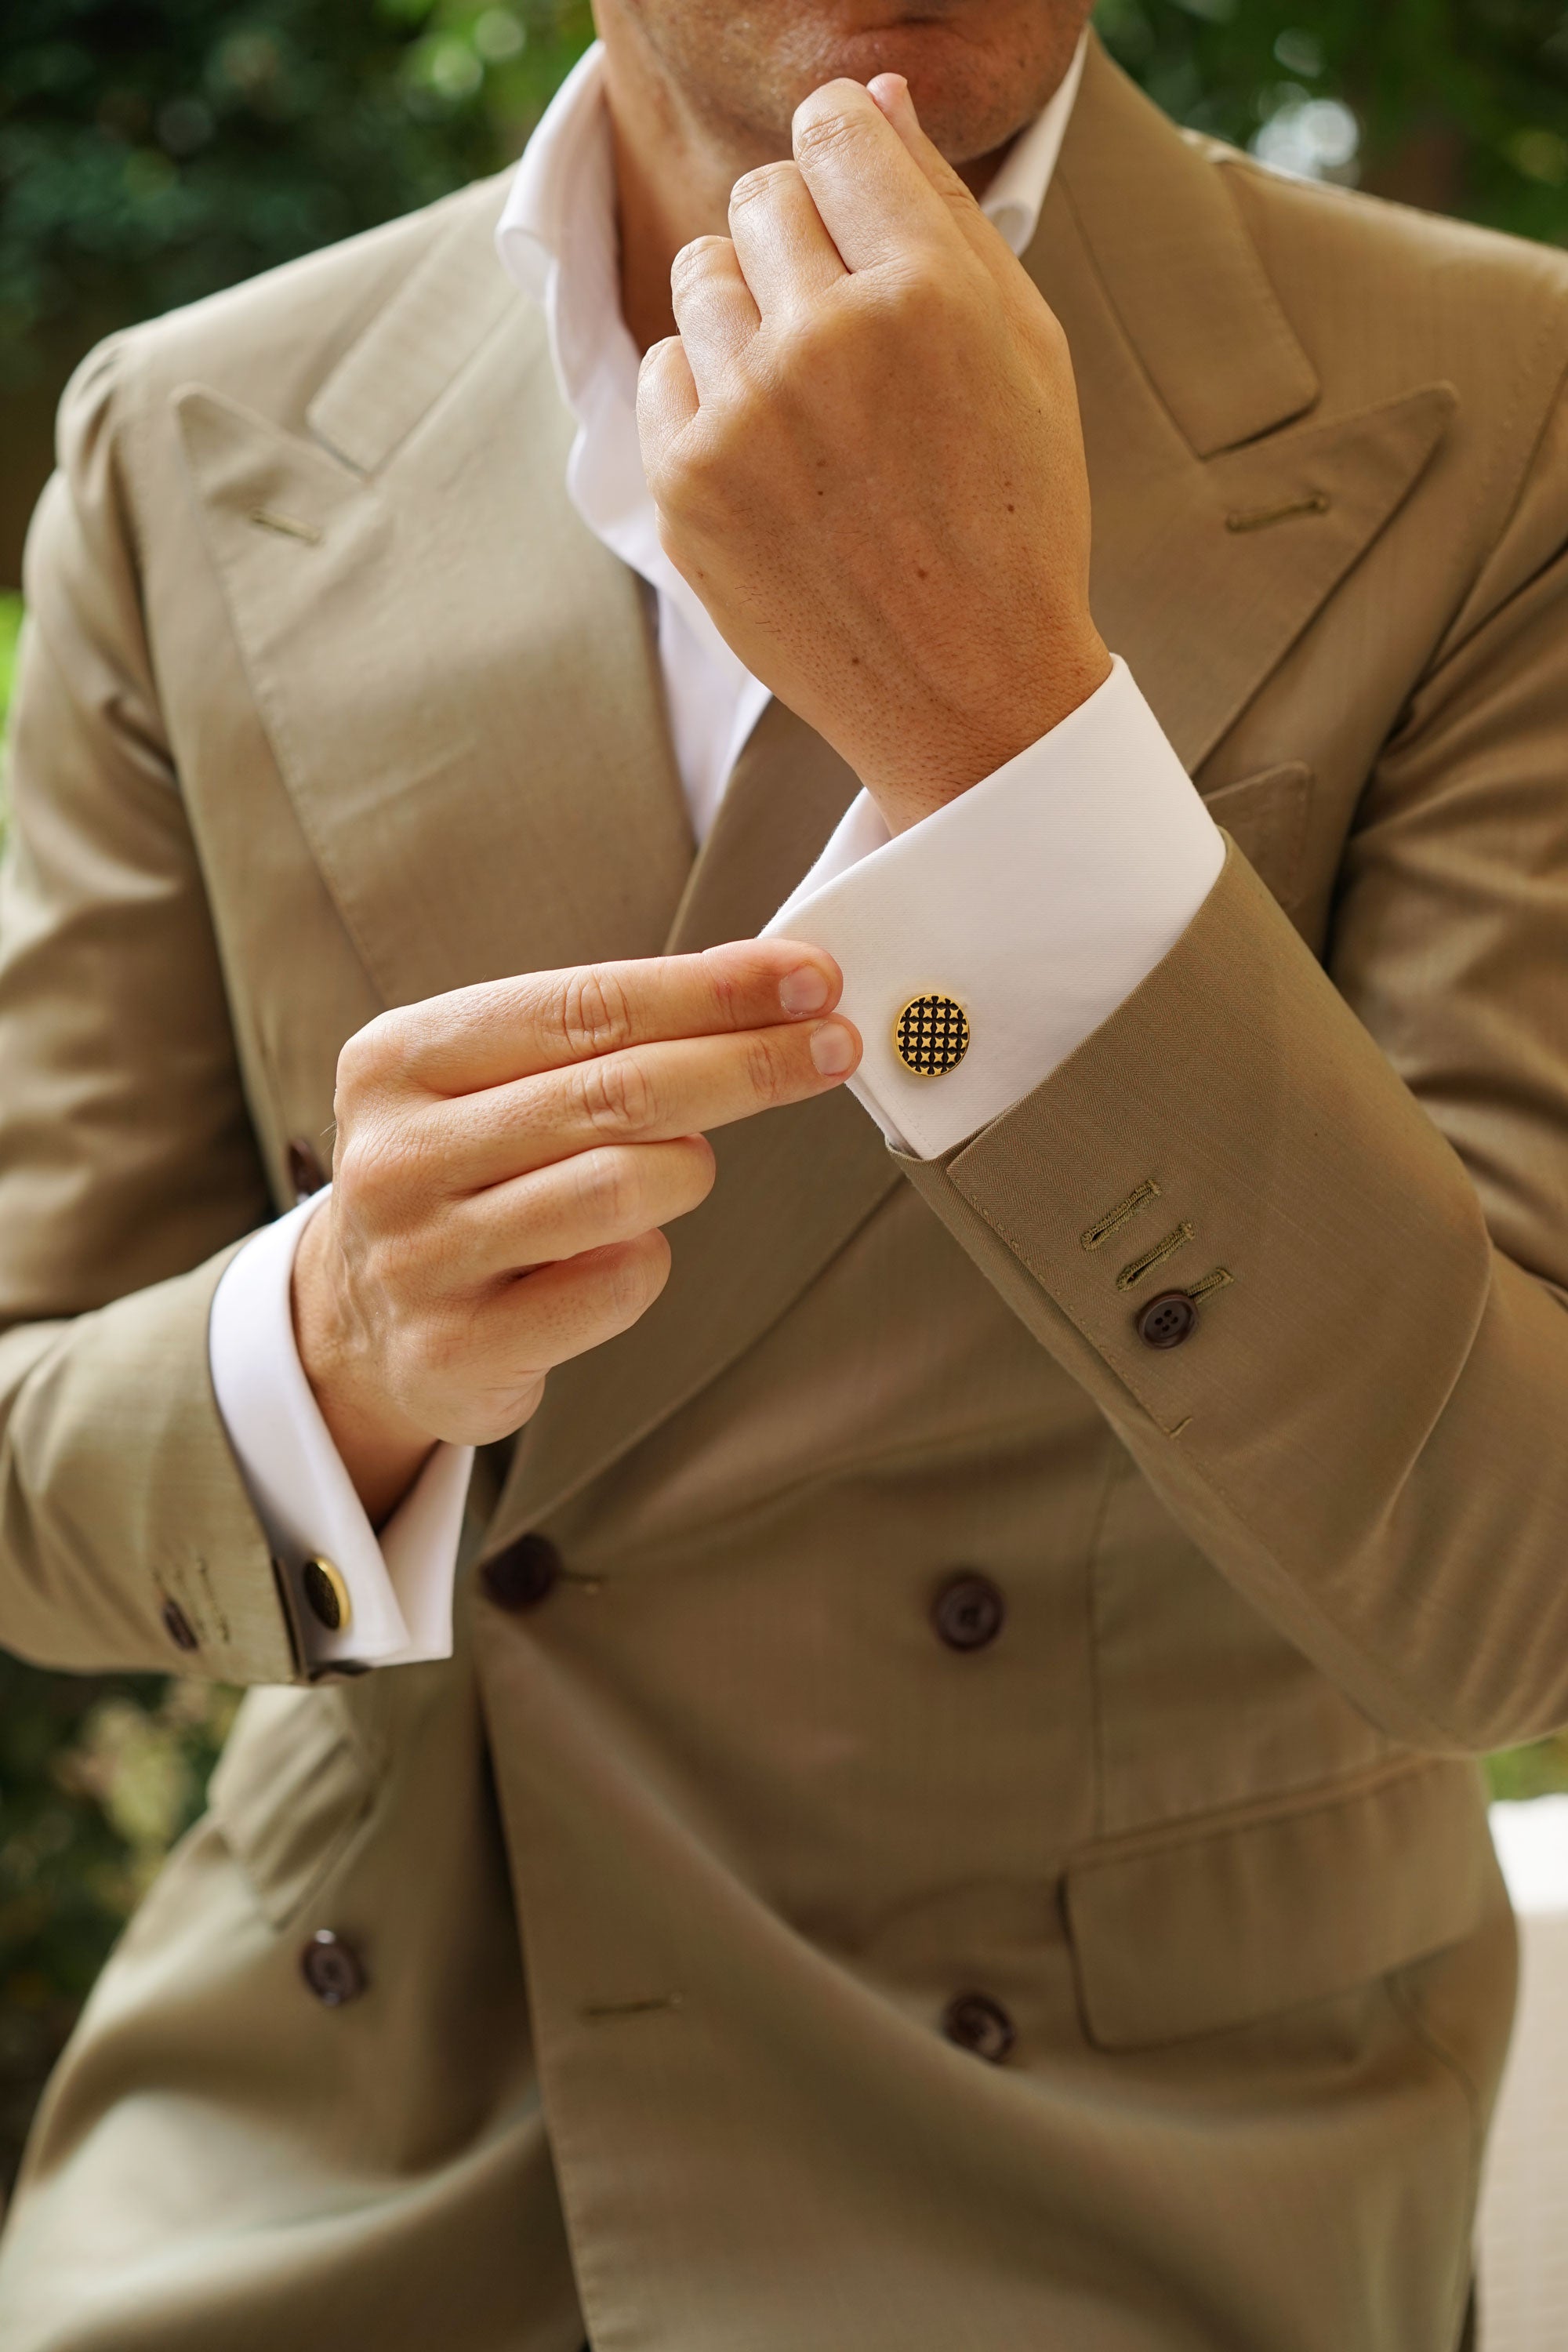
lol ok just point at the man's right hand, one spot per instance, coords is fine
(506, 1155)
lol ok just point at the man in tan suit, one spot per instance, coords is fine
(948, 1819)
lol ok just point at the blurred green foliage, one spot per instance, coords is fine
(151, 150)
(10, 629)
(154, 150)
(1459, 104)
(99, 1775)
(1538, 1771)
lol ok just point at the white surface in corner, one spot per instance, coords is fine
(1522, 2245)
(1532, 1841)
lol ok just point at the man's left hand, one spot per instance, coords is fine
(865, 449)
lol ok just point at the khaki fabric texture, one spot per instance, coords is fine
(328, 702)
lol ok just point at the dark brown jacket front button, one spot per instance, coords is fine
(1167, 1321)
(178, 1626)
(333, 1969)
(976, 2023)
(523, 1575)
(969, 1611)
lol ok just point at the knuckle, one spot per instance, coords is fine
(701, 1169)
(368, 1056)
(763, 1068)
(810, 344)
(614, 1095)
(1052, 337)
(825, 129)
(657, 357)
(695, 484)
(612, 1188)
(916, 294)
(638, 1274)
(695, 260)
(723, 985)
(756, 186)
(595, 1012)
(365, 1162)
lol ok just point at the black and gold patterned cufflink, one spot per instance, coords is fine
(931, 1036)
(328, 1593)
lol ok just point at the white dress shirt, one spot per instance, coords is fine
(1039, 898)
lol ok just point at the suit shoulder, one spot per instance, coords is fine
(273, 339)
(1413, 289)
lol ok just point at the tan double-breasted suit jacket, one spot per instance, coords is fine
(663, 1888)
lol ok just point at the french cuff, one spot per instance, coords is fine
(390, 1597)
(984, 946)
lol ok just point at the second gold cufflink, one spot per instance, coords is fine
(327, 1593)
(931, 1036)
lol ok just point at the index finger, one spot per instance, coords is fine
(891, 94)
(872, 194)
(505, 1029)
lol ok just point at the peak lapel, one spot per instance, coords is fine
(1179, 267)
(1217, 533)
(792, 1186)
(458, 682)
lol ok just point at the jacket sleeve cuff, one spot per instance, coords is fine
(398, 1588)
(1038, 900)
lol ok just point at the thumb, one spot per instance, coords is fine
(889, 93)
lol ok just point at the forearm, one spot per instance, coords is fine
(127, 1539)
(1363, 1428)
(127, 1156)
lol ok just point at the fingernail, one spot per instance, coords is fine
(804, 991)
(891, 93)
(834, 1048)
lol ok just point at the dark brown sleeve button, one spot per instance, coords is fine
(178, 1626)
(327, 1593)
(1167, 1321)
(333, 1969)
(976, 2023)
(523, 1575)
(306, 1172)
(968, 1611)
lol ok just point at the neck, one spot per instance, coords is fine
(674, 172)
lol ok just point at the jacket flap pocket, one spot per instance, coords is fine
(1265, 816)
(292, 1788)
(1220, 1927)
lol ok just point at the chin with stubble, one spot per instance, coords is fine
(977, 69)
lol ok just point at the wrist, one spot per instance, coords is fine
(941, 761)
(379, 1447)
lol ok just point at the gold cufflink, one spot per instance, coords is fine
(931, 1036)
(328, 1593)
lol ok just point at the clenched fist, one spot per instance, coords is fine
(864, 450)
(506, 1155)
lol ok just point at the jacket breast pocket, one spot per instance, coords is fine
(294, 1787)
(1209, 1926)
(1265, 815)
